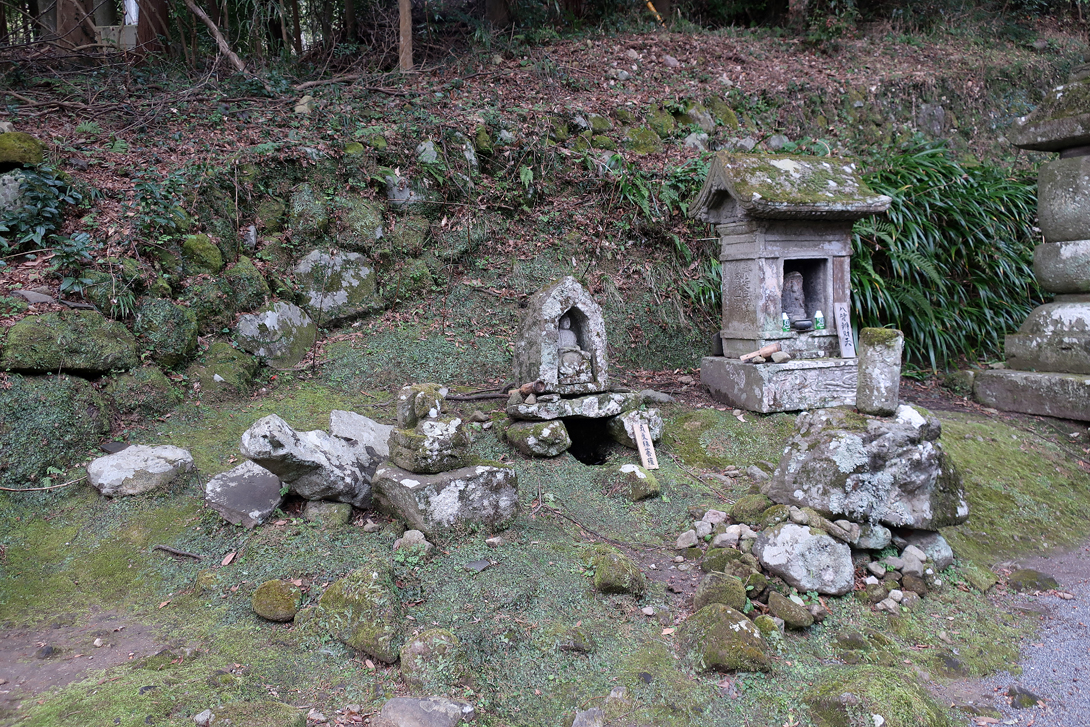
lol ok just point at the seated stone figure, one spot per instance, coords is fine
(574, 364)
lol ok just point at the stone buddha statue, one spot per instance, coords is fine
(574, 364)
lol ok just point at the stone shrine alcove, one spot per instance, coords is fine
(562, 341)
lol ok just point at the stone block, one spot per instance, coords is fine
(246, 495)
(622, 428)
(434, 445)
(1055, 337)
(1063, 267)
(139, 469)
(1064, 396)
(483, 495)
(1063, 199)
(280, 333)
(807, 559)
(539, 439)
(791, 386)
(596, 406)
(879, 381)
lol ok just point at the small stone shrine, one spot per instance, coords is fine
(784, 224)
(560, 357)
(1048, 360)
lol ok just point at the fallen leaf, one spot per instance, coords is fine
(667, 632)
(370, 664)
(228, 558)
(163, 603)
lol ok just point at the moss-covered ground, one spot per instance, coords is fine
(72, 552)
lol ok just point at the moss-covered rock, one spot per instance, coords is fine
(17, 147)
(720, 588)
(144, 391)
(363, 610)
(276, 600)
(638, 483)
(82, 342)
(482, 140)
(661, 121)
(614, 572)
(47, 421)
(279, 333)
(270, 215)
(722, 111)
(360, 226)
(247, 284)
(408, 235)
(848, 697)
(539, 439)
(434, 662)
(328, 515)
(601, 141)
(226, 373)
(722, 639)
(748, 508)
(599, 124)
(772, 516)
(642, 140)
(309, 213)
(168, 332)
(794, 615)
(259, 714)
(337, 287)
(1028, 580)
(212, 302)
(200, 255)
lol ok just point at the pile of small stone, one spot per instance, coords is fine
(429, 481)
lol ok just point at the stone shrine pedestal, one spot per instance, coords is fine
(790, 386)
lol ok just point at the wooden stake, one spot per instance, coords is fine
(763, 352)
(645, 445)
(405, 56)
(844, 330)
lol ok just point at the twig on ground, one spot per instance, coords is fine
(698, 478)
(39, 489)
(175, 551)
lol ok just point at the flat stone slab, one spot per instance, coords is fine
(362, 431)
(139, 469)
(483, 495)
(791, 386)
(428, 712)
(1064, 396)
(246, 495)
(1061, 121)
(596, 406)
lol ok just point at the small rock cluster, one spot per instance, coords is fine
(429, 481)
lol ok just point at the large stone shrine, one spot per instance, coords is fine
(1048, 359)
(784, 224)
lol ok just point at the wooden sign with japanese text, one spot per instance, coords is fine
(844, 330)
(645, 445)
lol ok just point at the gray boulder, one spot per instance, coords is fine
(933, 545)
(432, 503)
(595, 406)
(364, 612)
(427, 712)
(889, 471)
(315, 465)
(280, 333)
(433, 445)
(806, 558)
(337, 288)
(138, 469)
(246, 495)
(539, 439)
(622, 428)
(361, 432)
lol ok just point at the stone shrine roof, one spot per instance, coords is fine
(784, 186)
(1060, 122)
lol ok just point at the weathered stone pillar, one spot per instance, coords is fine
(879, 371)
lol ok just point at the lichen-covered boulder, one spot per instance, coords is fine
(361, 433)
(594, 406)
(279, 333)
(614, 572)
(276, 600)
(144, 391)
(638, 483)
(315, 464)
(539, 439)
(641, 140)
(720, 588)
(806, 558)
(434, 662)
(434, 445)
(360, 226)
(661, 121)
(870, 470)
(794, 615)
(427, 712)
(167, 331)
(419, 401)
(200, 255)
(308, 212)
(839, 696)
(17, 147)
(363, 611)
(622, 428)
(79, 342)
(248, 286)
(338, 287)
(47, 421)
(226, 372)
(722, 639)
(484, 495)
(138, 469)
(270, 215)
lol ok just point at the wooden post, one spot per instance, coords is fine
(405, 56)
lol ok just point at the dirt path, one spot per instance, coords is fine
(34, 660)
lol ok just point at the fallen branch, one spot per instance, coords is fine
(339, 79)
(175, 551)
(40, 489)
(699, 479)
(220, 40)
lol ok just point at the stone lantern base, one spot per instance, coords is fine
(1065, 396)
(789, 386)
